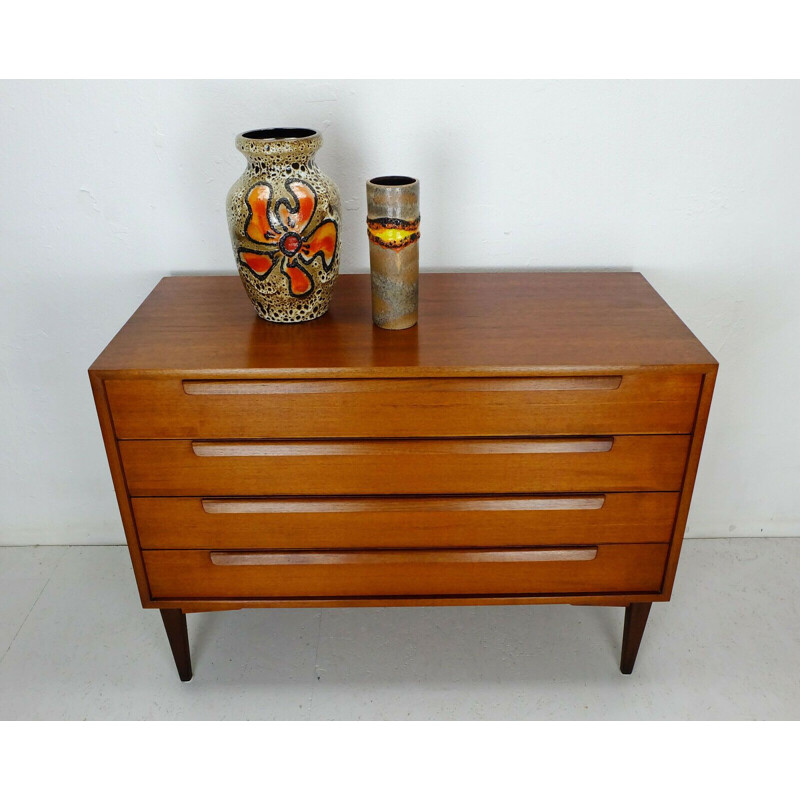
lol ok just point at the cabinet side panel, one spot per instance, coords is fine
(695, 448)
(120, 487)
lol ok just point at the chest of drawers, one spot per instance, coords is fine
(534, 439)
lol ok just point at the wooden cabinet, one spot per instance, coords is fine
(533, 440)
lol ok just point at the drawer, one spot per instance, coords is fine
(647, 402)
(387, 467)
(240, 574)
(392, 522)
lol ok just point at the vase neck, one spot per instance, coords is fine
(290, 144)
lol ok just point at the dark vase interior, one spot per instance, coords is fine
(393, 180)
(279, 133)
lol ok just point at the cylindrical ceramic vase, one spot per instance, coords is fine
(393, 231)
(283, 215)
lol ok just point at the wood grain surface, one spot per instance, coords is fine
(687, 486)
(387, 466)
(634, 403)
(374, 522)
(469, 324)
(619, 568)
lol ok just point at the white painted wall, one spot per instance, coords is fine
(107, 186)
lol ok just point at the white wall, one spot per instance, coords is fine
(107, 186)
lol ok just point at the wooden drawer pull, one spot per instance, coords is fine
(388, 448)
(404, 505)
(240, 559)
(571, 384)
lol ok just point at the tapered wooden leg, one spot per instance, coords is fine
(635, 619)
(175, 626)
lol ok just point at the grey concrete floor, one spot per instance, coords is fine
(74, 644)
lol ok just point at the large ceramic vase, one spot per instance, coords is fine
(283, 215)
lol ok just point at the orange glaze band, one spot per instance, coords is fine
(394, 234)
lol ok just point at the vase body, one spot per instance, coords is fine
(393, 232)
(283, 217)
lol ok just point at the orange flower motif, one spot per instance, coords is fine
(282, 228)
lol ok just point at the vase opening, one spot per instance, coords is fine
(393, 180)
(279, 133)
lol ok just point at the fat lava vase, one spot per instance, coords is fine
(393, 232)
(283, 215)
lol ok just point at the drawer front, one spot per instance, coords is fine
(479, 466)
(237, 574)
(582, 405)
(391, 522)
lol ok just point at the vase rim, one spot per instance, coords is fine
(392, 180)
(278, 134)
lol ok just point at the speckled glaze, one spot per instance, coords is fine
(393, 232)
(283, 216)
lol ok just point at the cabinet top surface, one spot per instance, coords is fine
(469, 323)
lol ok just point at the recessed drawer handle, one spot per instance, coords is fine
(241, 559)
(391, 448)
(583, 502)
(579, 383)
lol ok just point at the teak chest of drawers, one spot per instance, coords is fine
(534, 439)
